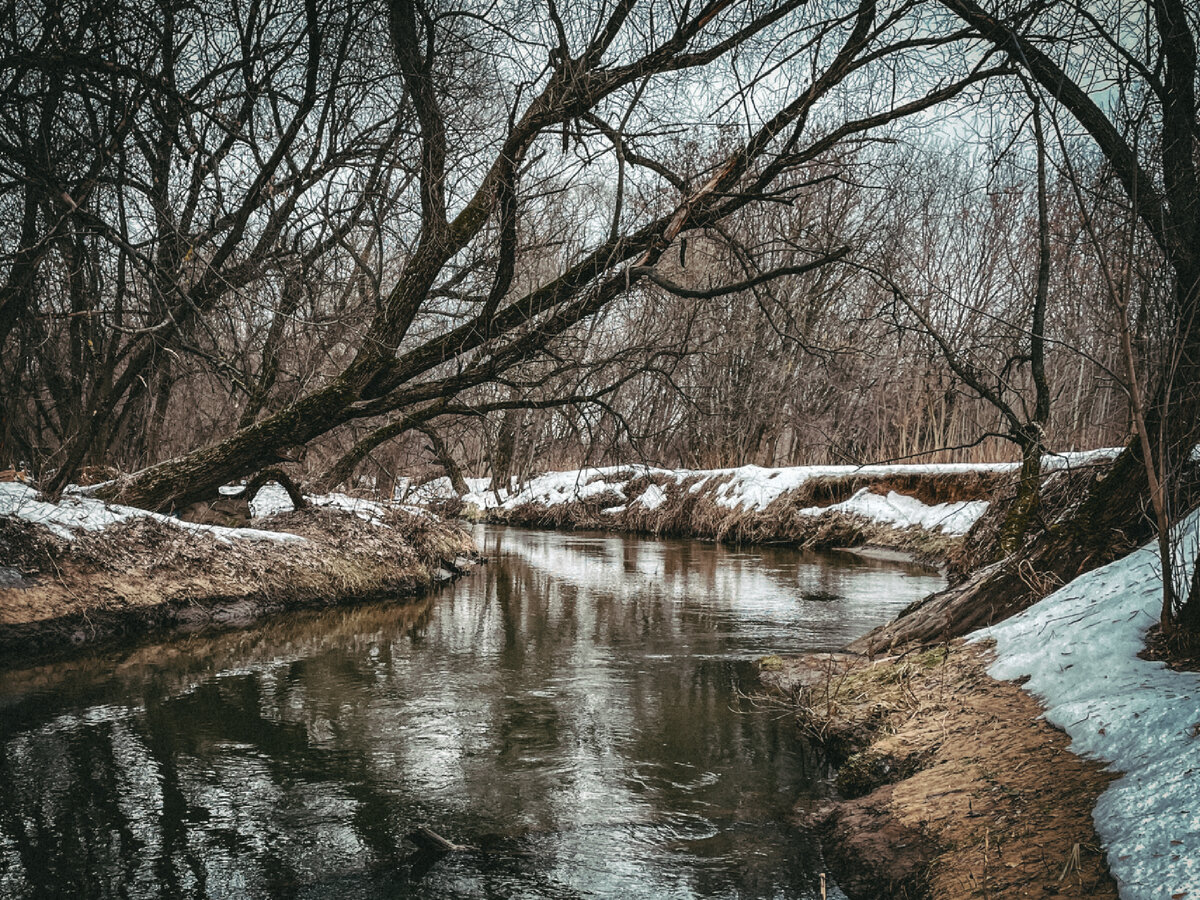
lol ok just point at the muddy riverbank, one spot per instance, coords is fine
(143, 576)
(950, 785)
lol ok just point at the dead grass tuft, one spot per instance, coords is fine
(954, 762)
(698, 514)
(143, 574)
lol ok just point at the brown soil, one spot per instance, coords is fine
(1181, 652)
(143, 575)
(956, 787)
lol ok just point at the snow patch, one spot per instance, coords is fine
(367, 510)
(77, 512)
(408, 490)
(652, 498)
(270, 500)
(902, 511)
(555, 488)
(1079, 648)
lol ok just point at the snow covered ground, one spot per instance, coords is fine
(272, 499)
(902, 511)
(77, 512)
(750, 488)
(1079, 648)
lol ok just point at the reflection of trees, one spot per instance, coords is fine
(62, 777)
(571, 699)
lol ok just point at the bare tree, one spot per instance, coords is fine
(1153, 154)
(172, 163)
(416, 349)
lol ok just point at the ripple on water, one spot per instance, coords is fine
(571, 710)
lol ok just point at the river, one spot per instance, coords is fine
(575, 711)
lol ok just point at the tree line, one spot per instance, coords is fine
(350, 237)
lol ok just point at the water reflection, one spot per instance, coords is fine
(571, 711)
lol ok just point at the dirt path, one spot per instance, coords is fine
(955, 787)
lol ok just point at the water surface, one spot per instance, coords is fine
(574, 711)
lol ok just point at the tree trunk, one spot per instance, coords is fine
(343, 470)
(1024, 510)
(1189, 614)
(502, 456)
(197, 476)
(446, 459)
(1108, 523)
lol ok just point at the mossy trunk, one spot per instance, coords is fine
(1024, 510)
(179, 482)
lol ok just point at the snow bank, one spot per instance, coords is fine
(1079, 648)
(749, 489)
(902, 511)
(77, 512)
(753, 488)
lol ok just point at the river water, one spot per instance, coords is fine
(574, 711)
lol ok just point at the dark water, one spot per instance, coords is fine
(572, 710)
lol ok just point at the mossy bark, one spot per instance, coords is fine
(197, 476)
(1024, 510)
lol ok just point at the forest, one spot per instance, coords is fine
(366, 239)
(420, 420)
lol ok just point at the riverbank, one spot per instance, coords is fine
(925, 511)
(953, 782)
(79, 572)
(951, 785)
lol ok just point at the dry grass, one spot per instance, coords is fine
(142, 575)
(957, 762)
(698, 514)
(1061, 493)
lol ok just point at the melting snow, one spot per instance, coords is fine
(753, 488)
(652, 497)
(1079, 648)
(902, 511)
(409, 491)
(364, 509)
(272, 499)
(77, 512)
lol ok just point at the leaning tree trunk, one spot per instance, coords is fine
(197, 476)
